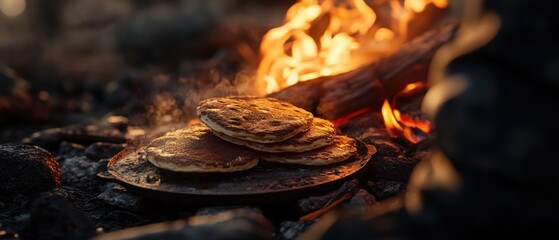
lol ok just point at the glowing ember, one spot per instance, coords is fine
(329, 37)
(398, 124)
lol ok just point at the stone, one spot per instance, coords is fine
(83, 134)
(27, 169)
(68, 149)
(101, 150)
(53, 217)
(116, 196)
(383, 189)
(361, 201)
(81, 172)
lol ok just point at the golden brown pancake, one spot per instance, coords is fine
(341, 149)
(196, 149)
(320, 134)
(255, 119)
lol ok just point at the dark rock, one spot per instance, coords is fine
(361, 202)
(68, 149)
(69, 193)
(14, 212)
(232, 224)
(317, 202)
(383, 189)
(291, 230)
(115, 195)
(103, 150)
(103, 165)
(27, 169)
(82, 134)
(391, 168)
(53, 217)
(80, 172)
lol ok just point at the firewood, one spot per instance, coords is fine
(336, 96)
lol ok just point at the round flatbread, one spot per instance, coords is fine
(196, 149)
(320, 134)
(255, 119)
(342, 148)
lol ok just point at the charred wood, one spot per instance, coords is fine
(333, 97)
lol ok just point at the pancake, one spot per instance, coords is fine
(255, 119)
(196, 149)
(342, 148)
(320, 134)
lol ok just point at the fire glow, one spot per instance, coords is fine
(330, 37)
(398, 124)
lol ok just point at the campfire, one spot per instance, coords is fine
(326, 37)
(292, 119)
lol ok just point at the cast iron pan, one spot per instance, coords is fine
(267, 183)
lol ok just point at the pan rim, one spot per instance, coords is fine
(365, 158)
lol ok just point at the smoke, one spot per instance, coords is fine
(176, 98)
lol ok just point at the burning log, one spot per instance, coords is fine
(336, 96)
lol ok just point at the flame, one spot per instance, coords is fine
(393, 127)
(398, 124)
(329, 37)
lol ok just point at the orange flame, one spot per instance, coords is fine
(393, 127)
(398, 124)
(329, 37)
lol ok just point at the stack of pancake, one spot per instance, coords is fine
(240, 130)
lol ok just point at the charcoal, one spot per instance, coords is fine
(80, 172)
(14, 212)
(116, 196)
(317, 202)
(391, 168)
(361, 202)
(370, 122)
(82, 134)
(219, 209)
(53, 217)
(69, 193)
(68, 149)
(385, 148)
(27, 169)
(232, 224)
(103, 150)
(291, 230)
(383, 189)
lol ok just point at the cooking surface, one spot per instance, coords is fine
(134, 171)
